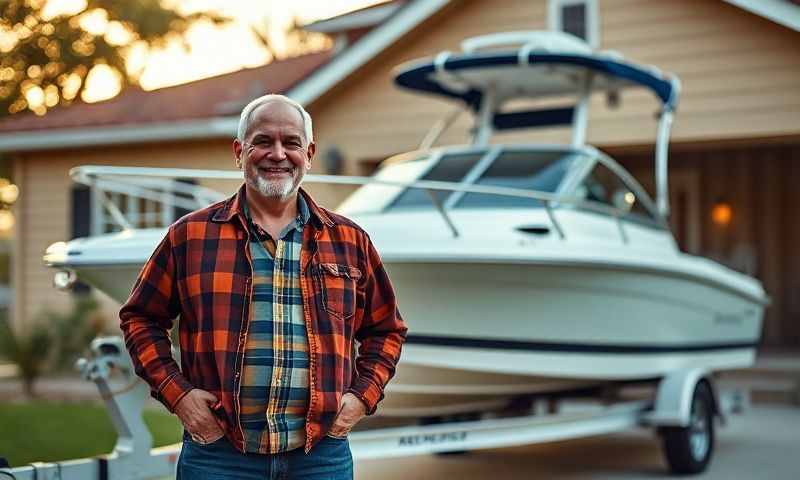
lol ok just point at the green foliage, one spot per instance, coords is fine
(52, 342)
(48, 431)
(54, 55)
(28, 349)
(73, 331)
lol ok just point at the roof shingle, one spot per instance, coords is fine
(218, 96)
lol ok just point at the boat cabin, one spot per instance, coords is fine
(582, 178)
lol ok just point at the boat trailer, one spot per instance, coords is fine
(674, 413)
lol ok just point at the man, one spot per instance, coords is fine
(272, 290)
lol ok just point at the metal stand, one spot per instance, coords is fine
(133, 456)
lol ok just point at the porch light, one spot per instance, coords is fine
(721, 213)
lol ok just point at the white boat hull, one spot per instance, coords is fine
(540, 328)
(571, 322)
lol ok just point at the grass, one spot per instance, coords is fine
(42, 431)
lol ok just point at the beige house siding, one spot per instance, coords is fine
(739, 74)
(368, 117)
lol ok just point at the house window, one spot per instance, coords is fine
(577, 17)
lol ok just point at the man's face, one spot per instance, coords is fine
(275, 155)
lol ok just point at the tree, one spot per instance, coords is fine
(45, 59)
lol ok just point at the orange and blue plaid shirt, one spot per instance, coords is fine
(274, 389)
(202, 271)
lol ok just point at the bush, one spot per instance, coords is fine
(73, 331)
(27, 349)
(53, 341)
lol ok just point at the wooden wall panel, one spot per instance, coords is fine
(761, 184)
(791, 254)
(768, 239)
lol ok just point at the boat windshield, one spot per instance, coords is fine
(450, 168)
(543, 170)
(540, 171)
(529, 170)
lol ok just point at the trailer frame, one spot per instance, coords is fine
(133, 457)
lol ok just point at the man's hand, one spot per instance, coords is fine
(194, 410)
(351, 411)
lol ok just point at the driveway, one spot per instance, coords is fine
(762, 443)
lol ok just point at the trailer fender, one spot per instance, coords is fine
(674, 397)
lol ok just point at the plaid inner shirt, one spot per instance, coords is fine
(274, 389)
(202, 271)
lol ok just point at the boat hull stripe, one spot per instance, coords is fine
(519, 345)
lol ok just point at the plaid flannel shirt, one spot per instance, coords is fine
(202, 272)
(273, 394)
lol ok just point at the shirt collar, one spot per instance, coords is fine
(303, 215)
(233, 207)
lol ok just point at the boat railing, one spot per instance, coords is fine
(142, 182)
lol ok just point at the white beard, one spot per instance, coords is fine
(276, 188)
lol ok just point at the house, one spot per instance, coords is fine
(735, 155)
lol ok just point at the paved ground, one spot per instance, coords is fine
(764, 443)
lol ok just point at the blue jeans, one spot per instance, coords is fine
(329, 459)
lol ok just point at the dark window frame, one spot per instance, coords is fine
(591, 20)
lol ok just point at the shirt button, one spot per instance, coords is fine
(237, 375)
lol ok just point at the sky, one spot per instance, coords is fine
(214, 50)
(218, 50)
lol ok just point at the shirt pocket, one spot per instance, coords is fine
(338, 288)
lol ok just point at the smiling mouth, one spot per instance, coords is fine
(275, 170)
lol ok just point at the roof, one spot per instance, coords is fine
(218, 96)
(401, 23)
(307, 83)
(368, 16)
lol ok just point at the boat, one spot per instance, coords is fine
(522, 270)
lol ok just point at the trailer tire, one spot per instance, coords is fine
(688, 450)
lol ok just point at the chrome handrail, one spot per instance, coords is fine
(97, 177)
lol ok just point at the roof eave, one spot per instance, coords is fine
(350, 21)
(778, 11)
(348, 61)
(35, 140)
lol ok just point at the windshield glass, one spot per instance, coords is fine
(605, 187)
(372, 198)
(541, 171)
(451, 168)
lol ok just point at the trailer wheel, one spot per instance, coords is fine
(688, 449)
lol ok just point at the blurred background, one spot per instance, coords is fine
(161, 83)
